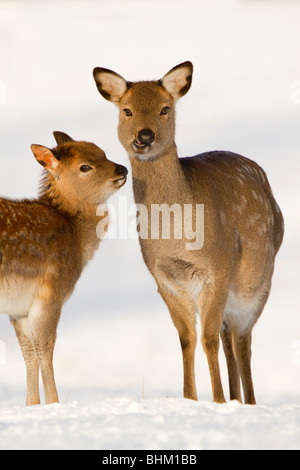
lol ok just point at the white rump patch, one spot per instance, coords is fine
(241, 312)
(16, 297)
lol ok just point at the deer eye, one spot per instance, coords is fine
(85, 168)
(127, 112)
(165, 111)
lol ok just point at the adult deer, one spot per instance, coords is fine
(228, 280)
(45, 244)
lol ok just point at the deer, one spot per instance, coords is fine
(45, 243)
(228, 279)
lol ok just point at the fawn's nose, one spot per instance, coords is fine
(121, 170)
(146, 136)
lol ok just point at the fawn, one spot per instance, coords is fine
(44, 245)
(228, 280)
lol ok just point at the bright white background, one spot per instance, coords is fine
(115, 338)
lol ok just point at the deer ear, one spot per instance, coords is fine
(178, 80)
(111, 85)
(44, 157)
(62, 138)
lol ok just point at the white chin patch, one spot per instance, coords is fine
(150, 157)
(147, 155)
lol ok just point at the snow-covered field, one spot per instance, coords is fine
(117, 359)
(159, 424)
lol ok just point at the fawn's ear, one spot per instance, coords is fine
(62, 138)
(178, 80)
(111, 85)
(44, 157)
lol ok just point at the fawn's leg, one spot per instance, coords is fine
(32, 366)
(211, 308)
(184, 319)
(43, 320)
(242, 348)
(233, 374)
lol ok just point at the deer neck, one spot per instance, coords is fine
(85, 224)
(157, 181)
(82, 217)
(49, 194)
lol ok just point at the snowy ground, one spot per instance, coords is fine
(117, 360)
(160, 424)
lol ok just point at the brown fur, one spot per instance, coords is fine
(45, 244)
(228, 281)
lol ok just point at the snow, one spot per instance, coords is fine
(159, 424)
(117, 359)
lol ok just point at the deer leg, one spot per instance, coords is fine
(233, 374)
(242, 348)
(211, 308)
(31, 361)
(184, 319)
(43, 320)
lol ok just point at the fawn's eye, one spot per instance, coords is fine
(165, 110)
(127, 112)
(85, 168)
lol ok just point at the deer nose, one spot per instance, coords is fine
(146, 136)
(121, 170)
